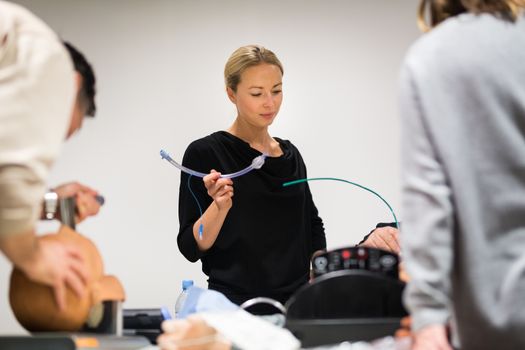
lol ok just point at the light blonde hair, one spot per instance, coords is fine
(440, 10)
(245, 57)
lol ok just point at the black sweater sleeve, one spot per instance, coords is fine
(318, 233)
(189, 211)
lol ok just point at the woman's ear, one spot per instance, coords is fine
(231, 94)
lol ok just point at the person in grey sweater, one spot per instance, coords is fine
(462, 99)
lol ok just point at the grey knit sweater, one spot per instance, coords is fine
(463, 235)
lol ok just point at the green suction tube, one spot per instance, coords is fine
(290, 183)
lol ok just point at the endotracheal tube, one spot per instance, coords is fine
(257, 163)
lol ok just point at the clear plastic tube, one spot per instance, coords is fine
(257, 163)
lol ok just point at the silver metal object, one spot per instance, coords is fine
(264, 300)
(67, 211)
(50, 205)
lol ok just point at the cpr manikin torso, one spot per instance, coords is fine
(34, 306)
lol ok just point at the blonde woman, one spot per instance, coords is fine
(463, 239)
(260, 241)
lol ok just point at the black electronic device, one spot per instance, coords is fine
(77, 341)
(357, 258)
(356, 295)
(145, 322)
(106, 335)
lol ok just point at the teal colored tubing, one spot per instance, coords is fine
(290, 183)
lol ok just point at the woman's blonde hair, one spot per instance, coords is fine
(440, 10)
(245, 57)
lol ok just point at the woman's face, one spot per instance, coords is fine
(259, 95)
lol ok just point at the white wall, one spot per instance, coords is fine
(159, 67)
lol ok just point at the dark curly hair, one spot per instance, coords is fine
(82, 66)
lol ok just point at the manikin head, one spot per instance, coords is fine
(34, 305)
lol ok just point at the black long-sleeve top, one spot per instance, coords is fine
(267, 240)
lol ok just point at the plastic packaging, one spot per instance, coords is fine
(386, 343)
(182, 296)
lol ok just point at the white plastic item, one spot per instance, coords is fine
(182, 296)
(250, 332)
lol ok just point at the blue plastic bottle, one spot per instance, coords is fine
(182, 296)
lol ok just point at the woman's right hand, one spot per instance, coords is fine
(220, 189)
